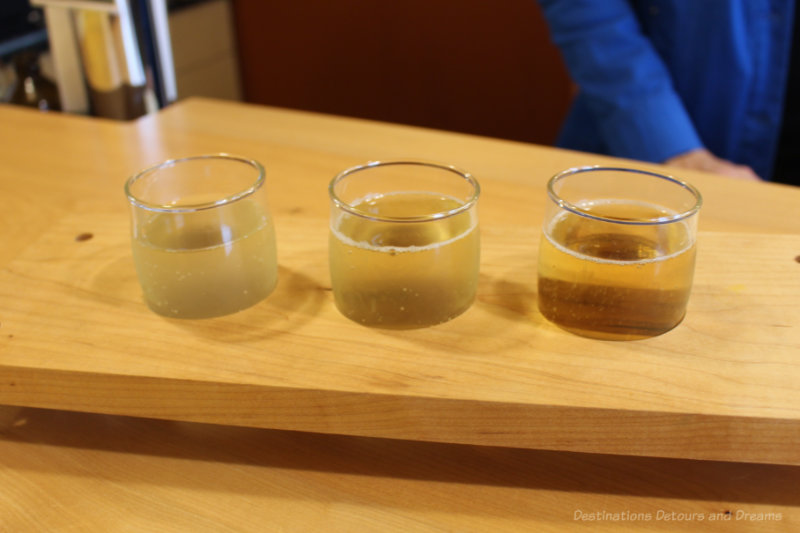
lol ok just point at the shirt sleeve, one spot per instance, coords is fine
(621, 78)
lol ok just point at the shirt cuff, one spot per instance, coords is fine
(652, 128)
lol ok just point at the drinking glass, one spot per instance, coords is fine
(202, 235)
(404, 245)
(617, 254)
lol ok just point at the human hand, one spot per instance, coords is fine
(702, 159)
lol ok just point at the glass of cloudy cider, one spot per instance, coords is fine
(404, 244)
(202, 235)
(617, 254)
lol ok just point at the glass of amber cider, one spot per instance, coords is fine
(202, 235)
(404, 247)
(617, 253)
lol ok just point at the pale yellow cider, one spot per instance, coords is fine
(625, 283)
(404, 274)
(201, 265)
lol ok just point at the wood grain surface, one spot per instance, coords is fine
(75, 335)
(61, 177)
(76, 473)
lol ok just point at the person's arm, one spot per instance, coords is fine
(702, 159)
(621, 78)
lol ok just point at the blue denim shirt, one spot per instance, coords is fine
(660, 77)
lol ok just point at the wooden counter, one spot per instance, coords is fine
(66, 472)
(75, 335)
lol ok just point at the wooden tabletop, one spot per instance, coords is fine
(74, 335)
(84, 473)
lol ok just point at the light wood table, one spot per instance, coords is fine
(75, 336)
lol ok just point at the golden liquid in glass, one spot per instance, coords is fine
(404, 274)
(201, 265)
(629, 282)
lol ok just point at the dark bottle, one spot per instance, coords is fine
(33, 89)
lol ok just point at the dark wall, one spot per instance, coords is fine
(475, 66)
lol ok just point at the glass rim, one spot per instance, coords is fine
(462, 174)
(642, 222)
(225, 200)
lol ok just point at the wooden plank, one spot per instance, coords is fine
(722, 385)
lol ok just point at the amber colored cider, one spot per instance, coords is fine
(198, 265)
(404, 274)
(615, 281)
